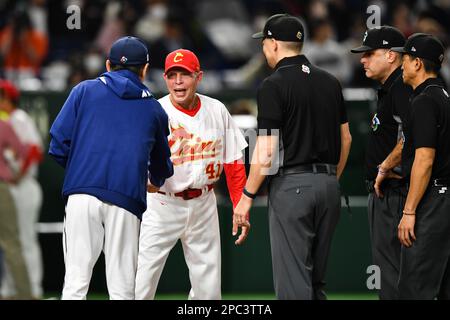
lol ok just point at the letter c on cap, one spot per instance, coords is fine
(178, 57)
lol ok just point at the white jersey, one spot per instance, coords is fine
(25, 128)
(27, 132)
(200, 144)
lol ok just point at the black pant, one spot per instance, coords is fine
(425, 267)
(384, 216)
(303, 213)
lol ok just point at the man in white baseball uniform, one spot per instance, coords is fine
(27, 193)
(203, 141)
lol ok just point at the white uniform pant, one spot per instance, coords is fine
(196, 223)
(27, 195)
(91, 226)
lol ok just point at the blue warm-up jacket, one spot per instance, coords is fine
(111, 136)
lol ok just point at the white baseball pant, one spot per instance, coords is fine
(196, 223)
(27, 196)
(91, 226)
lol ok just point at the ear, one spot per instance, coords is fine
(199, 76)
(144, 71)
(392, 56)
(275, 44)
(108, 65)
(418, 64)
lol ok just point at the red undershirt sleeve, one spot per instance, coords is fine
(34, 155)
(236, 180)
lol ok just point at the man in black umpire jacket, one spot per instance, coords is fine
(385, 182)
(424, 230)
(304, 104)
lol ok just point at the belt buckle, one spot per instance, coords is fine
(189, 194)
(186, 195)
(321, 168)
(326, 168)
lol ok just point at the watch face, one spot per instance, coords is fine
(375, 122)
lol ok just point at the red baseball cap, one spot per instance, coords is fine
(182, 58)
(9, 90)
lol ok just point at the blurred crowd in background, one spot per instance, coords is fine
(39, 52)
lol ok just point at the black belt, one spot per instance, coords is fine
(329, 169)
(389, 183)
(398, 183)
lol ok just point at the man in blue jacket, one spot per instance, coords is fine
(111, 137)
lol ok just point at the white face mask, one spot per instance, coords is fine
(159, 11)
(93, 63)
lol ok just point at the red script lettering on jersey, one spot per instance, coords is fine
(186, 147)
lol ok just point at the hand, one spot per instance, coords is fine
(241, 219)
(389, 174)
(244, 232)
(151, 188)
(406, 230)
(16, 179)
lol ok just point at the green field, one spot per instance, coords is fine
(259, 296)
(238, 296)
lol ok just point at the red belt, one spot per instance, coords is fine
(189, 194)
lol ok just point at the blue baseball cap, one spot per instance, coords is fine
(128, 51)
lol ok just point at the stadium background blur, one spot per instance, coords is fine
(219, 31)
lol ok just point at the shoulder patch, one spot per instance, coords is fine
(305, 69)
(375, 122)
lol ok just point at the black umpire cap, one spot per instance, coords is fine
(283, 27)
(384, 37)
(128, 51)
(423, 46)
